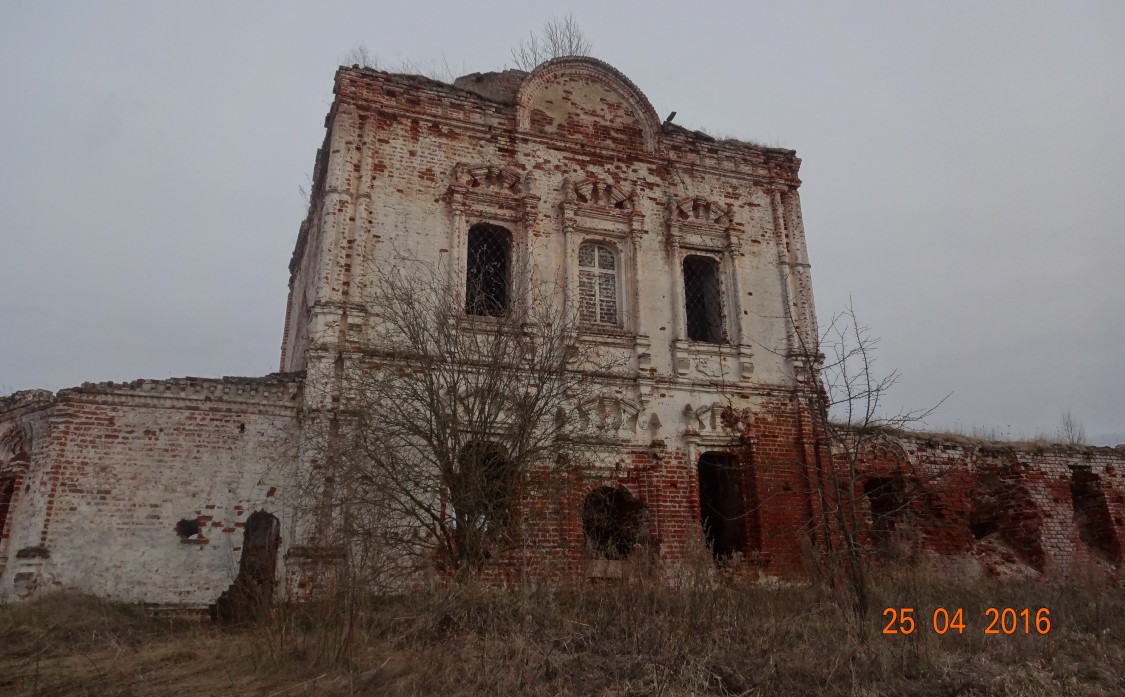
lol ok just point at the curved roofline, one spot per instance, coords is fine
(600, 71)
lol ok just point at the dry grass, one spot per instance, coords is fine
(640, 638)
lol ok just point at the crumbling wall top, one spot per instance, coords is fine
(275, 387)
(24, 399)
(495, 86)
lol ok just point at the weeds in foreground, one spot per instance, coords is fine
(637, 637)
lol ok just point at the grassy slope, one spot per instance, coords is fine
(635, 639)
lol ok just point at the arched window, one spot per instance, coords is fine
(702, 298)
(597, 284)
(488, 270)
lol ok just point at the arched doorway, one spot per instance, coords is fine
(253, 587)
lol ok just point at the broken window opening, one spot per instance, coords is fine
(488, 270)
(188, 529)
(1091, 513)
(597, 284)
(722, 510)
(983, 528)
(7, 492)
(702, 299)
(611, 523)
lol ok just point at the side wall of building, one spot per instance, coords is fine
(994, 508)
(115, 468)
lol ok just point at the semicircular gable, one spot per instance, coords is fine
(581, 98)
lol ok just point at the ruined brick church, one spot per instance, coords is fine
(682, 253)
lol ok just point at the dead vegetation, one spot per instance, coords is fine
(643, 638)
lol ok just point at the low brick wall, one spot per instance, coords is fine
(113, 469)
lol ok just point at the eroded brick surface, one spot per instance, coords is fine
(116, 467)
(107, 484)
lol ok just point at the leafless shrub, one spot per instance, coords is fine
(361, 56)
(848, 404)
(432, 448)
(1070, 430)
(559, 37)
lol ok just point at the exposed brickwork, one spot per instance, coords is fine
(103, 486)
(117, 466)
(1053, 509)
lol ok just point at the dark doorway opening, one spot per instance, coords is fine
(887, 503)
(253, 588)
(1091, 513)
(258, 565)
(721, 506)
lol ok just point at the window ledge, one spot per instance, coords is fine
(608, 335)
(713, 361)
(707, 348)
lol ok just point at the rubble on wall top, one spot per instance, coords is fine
(416, 80)
(502, 88)
(272, 385)
(24, 398)
(958, 440)
(703, 137)
(499, 87)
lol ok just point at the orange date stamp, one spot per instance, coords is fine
(1006, 620)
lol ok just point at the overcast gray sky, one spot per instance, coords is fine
(964, 167)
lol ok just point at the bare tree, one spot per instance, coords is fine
(466, 412)
(848, 405)
(1070, 431)
(558, 37)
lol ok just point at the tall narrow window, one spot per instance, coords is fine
(704, 310)
(7, 490)
(597, 284)
(488, 270)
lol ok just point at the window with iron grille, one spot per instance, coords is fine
(597, 284)
(702, 299)
(488, 270)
